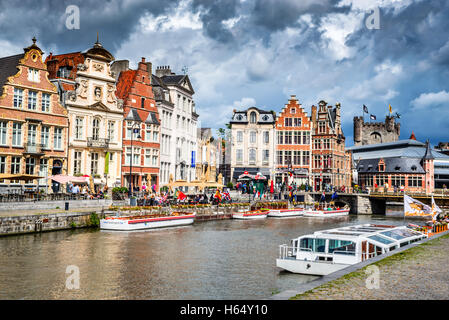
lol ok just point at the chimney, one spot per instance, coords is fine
(163, 71)
(313, 116)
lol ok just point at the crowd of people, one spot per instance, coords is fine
(84, 190)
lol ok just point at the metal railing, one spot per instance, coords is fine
(285, 251)
(33, 148)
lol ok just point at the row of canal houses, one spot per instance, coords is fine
(85, 114)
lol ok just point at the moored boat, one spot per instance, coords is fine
(147, 222)
(328, 251)
(280, 213)
(255, 214)
(326, 212)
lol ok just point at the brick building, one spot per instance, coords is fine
(331, 163)
(33, 124)
(293, 148)
(134, 87)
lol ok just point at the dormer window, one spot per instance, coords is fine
(252, 117)
(239, 117)
(64, 72)
(413, 168)
(397, 168)
(265, 118)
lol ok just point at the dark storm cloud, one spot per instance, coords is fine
(419, 30)
(213, 13)
(115, 20)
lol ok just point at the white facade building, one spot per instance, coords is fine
(179, 123)
(253, 142)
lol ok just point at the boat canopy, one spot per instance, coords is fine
(380, 235)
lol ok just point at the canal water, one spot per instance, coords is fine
(227, 259)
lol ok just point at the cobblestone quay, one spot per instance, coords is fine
(419, 273)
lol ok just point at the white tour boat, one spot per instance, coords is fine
(280, 213)
(146, 222)
(326, 212)
(327, 251)
(256, 214)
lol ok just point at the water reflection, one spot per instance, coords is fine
(228, 259)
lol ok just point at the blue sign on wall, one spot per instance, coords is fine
(193, 160)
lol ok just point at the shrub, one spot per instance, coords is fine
(230, 185)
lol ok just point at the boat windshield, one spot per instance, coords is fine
(312, 244)
(342, 247)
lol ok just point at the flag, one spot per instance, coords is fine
(413, 207)
(389, 107)
(323, 197)
(227, 196)
(181, 196)
(372, 117)
(435, 210)
(106, 163)
(365, 109)
(334, 195)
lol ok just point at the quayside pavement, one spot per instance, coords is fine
(419, 273)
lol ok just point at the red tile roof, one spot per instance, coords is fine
(54, 62)
(124, 83)
(412, 137)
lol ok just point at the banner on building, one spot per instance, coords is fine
(192, 165)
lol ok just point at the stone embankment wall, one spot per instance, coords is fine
(60, 204)
(46, 222)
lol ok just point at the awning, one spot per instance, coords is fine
(65, 179)
(24, 177)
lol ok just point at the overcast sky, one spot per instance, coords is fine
(242, 53)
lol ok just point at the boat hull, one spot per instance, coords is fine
(249, 216)
(142, 224)
(326, 214)
(285, 213)
(309, 267)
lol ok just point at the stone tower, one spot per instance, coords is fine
(376, 132)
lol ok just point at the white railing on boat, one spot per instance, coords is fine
(285, 251)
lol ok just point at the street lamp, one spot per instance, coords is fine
(135, 128)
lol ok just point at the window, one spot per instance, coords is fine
(155, 136)
(77, 162)
(297, 137)
(287, 158)
(43, 170)
(288, 137)
(79, 123)
(306, 158)
(17, 134)
(252, 137)
(252, 156)
(414, 181)
(32, 99)
(3, 132)
(95, 129)
(297, 122)
(30, 164)
(45, 136)
(33, 75)
(280, 137)
(136, 156)
(306, 138)
(15, 165)
(57, 145)
(239, 136)
(312, 245)
(321, 127)
(2, 164)
(297, 157)
(32, 133)
(279, 157)
(266, 137)
(93, 163)
(341, 247)
(147, 157)
(253, 117)
(64, 72)
(155, 158)
(288, 122)
(128, 156)
(45, 102)
(265, 155)
(111, 130)
(239, 155)
(142, 102)
(293, 110)
(18, 98)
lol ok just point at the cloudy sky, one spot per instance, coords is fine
(242, 53)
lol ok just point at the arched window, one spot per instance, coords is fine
(95, 129)
(252, 117)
